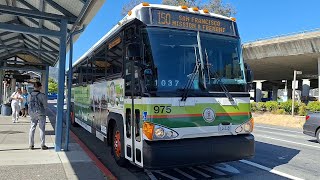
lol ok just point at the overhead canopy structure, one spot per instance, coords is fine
(29, 29)
(34, 35)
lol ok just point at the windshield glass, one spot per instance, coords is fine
(221, 56)
(173, 55)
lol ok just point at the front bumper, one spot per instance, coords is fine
(189, 152)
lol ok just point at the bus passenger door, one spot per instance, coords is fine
(133, 115)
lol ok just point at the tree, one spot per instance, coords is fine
(215, 6)
(53, 86)
(130, 5)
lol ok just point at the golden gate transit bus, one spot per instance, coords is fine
(166, 87)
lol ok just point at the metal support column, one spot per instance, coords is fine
(46, 81)
(258, 90)
(13, 86)
(293, 91)
(274, 93)
(318, 78)
(1, 86)
(61, 80)
(69, 87)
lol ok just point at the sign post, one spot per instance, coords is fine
(294, 89)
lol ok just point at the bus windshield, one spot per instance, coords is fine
(175, 55)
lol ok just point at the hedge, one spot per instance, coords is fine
(285, 107)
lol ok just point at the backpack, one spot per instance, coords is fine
(35, 104)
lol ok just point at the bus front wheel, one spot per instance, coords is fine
(118, 146)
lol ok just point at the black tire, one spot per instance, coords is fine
(318, 135)
(118, 153)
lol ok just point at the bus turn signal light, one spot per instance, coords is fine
(206, 11)
(148, 129)
(252, 124)
(184, 7)
(129, 13)
(195, 9)
(145, 4)
(233, 19)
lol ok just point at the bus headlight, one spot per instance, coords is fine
(246, 127)
(159, 132)
(156, 132)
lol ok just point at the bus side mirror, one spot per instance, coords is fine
(133, 51)
(148, 79)
(249, 74)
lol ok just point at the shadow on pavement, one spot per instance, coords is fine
(11, 132)
(313, 141)
(80, 165)
(271, 155)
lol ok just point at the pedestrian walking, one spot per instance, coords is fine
(24, 104)
(37, 102)
(16, 98)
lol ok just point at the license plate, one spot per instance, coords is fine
(224, 128)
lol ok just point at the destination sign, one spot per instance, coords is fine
(192, 21)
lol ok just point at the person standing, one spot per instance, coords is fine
(37, 102)
(16, 99)
(24, 104)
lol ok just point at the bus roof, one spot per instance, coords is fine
(134, 15)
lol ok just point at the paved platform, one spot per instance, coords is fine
(18, 162)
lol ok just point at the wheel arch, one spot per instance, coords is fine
(113, 119)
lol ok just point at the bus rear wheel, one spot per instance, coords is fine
(118, 146)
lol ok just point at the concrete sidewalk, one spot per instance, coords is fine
(18, 162)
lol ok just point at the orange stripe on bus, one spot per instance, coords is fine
(174, 116)
(196, 115)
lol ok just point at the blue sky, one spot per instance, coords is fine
(256, 19)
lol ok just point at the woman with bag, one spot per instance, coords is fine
(16, 99)
(24, 103)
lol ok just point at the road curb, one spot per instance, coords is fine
(107, 173)
(97, 162)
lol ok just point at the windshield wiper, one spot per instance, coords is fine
(217, 77)
(195, 71)
(201, 61)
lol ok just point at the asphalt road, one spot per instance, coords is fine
(281, 153)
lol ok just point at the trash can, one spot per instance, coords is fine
(6, 110)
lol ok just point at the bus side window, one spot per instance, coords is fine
(128, 79)
(128, 122)
(137, 125)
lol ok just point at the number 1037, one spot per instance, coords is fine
(167, 82)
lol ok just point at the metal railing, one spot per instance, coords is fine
(283, 35)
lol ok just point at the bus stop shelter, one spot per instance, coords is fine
(36, 34)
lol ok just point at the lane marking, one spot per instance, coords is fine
(227, 167)
(166, 175)
(283, 134)
(207, 168)
(278, 129)
(91, 155)
(199, 172)
(151, 176)
(292, 142)
(185, 174)
(270, 170)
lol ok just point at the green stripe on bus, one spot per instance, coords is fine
(199, 121)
